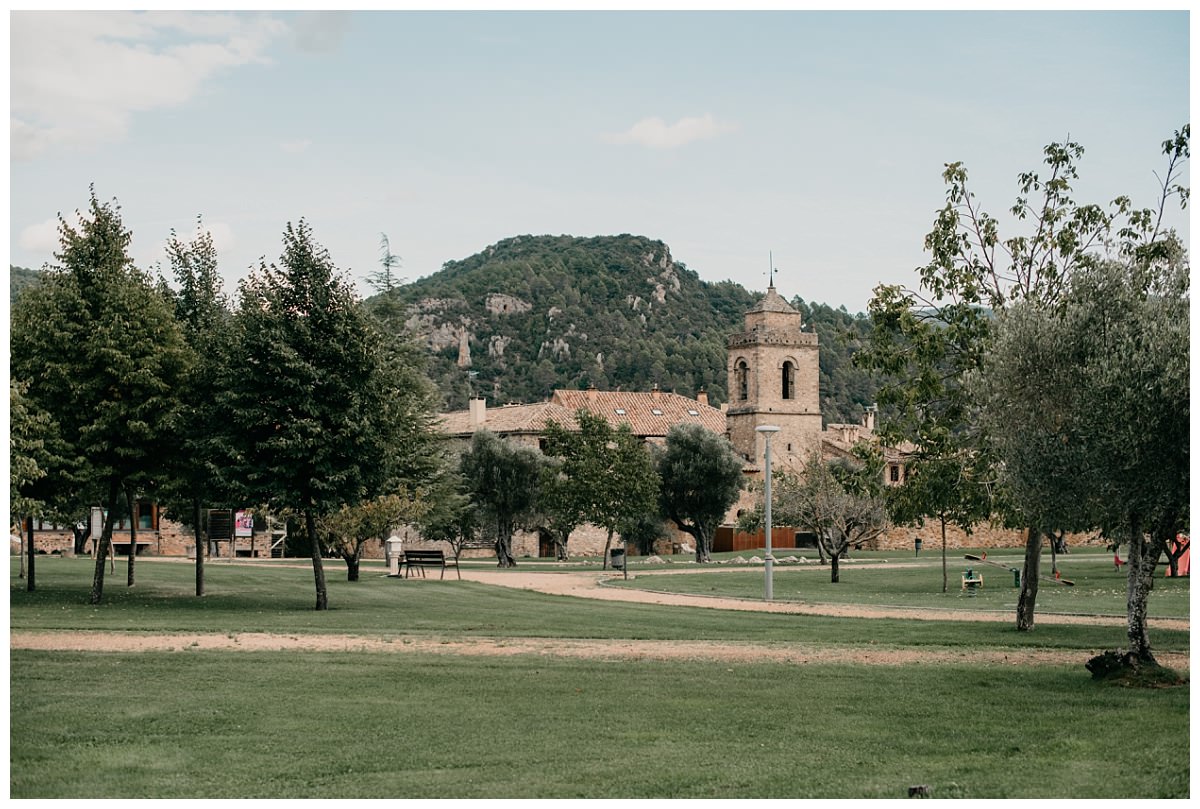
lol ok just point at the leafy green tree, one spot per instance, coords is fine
(925, 342)
(502, 480)
(611, 476)
(347, 531)
(308, 410)
(1107, 446)
(452, 517)
(560, 505)
(840, 501)
(204, 316)
(30, 438)
(700, 478)
(641, 531)
(100, 350)
(943, 487)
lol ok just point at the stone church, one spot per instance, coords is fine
(773, 379)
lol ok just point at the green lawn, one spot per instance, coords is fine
(264, 598)
(206, 724)
(1099, 589)
(202, 724)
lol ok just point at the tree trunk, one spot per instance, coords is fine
(200, 549)
(1143, 558)
(318, 566)
(833, 568)
(607, 546)
(30, 573)
(129, 502)
(703, 545)
(945, 574)
(104, 543)
(1029, 580)
(22, 553)
(560, 548)
(81, 537)
(352, 561)
(504, 557)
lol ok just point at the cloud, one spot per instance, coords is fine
(41, 238)
(655, 133)
(296, 146)
(77, 78)
(320, 31)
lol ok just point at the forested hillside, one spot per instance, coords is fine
(531, 314)
(18, 279)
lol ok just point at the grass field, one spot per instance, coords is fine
(1099, 589)
(203, 724)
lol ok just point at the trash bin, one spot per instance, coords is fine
(1016, 578)
(393, 550)
(617, 558)
(916, 547)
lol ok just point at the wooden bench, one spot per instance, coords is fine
(421, 559)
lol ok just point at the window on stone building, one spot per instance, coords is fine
(789, 380)
(894, 471)
(742, 374)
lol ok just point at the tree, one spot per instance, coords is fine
(839, 501)
(559, 505)
(30, 436)
(102, 354)
(926, 341)
(203, 314)
(700, 478)
(943, 487)
(308, 413)
(610, 476)
(503, 480)
(642, 531)
(1107, 446)
(347, 530)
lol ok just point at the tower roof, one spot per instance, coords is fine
(772, 302)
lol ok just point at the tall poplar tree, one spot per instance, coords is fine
(203, 314)
(306, 404)
(98, 345)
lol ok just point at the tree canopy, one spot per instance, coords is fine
(701, 477)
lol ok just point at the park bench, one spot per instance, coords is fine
(421, 559)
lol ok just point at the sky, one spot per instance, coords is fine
(815, 140)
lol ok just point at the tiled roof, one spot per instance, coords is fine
(648, 414)
(531, 418)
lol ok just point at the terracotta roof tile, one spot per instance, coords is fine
(531, 418)
(648, 414)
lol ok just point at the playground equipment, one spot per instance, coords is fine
(971, 581)
(1057, 578)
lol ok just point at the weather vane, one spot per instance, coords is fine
(771, 270)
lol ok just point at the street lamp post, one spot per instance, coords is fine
(768, 430)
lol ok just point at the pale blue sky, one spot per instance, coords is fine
(817, 136)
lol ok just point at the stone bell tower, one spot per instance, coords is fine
(774, 378)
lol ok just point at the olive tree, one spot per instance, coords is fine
(1087, 407)
(700, 478)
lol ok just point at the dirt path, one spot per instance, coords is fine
(590, 585)
(616, 650)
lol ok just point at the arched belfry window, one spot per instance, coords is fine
(789, 380)
(742, 372)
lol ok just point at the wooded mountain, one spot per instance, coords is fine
(18, 279)
(533, 313)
